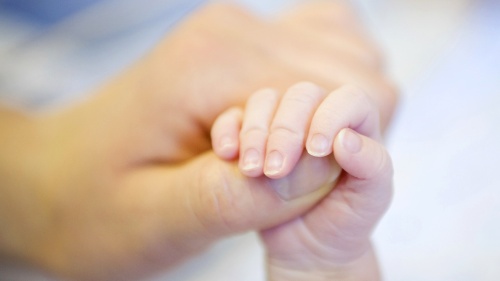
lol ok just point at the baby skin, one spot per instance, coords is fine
(277, 135)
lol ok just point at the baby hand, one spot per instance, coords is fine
(332, 240)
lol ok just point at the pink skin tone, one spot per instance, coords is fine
(274, 134)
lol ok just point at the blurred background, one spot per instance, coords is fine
(444, 223)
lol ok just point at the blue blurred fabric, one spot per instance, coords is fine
(44, 12)
(55, 50)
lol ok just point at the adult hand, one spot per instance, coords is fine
(124, 184)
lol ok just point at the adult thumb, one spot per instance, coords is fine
(184, 208)
(222, 201)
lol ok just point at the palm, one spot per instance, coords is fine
(335, 231)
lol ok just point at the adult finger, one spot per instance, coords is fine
(330, 69)
(337, 25)
(324, 13)
(353, 59)
(191, 205)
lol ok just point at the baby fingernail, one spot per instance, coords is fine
(318, 145)
(351, 141)
(251, 160)
(226, 143)
(274, 163)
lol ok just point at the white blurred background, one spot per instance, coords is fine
(444, 224)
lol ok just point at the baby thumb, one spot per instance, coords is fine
(369, 174)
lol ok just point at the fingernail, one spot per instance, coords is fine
(301, 183)
(351, 141)
(318, 145)
(274, 163)
(251, 160)
(226, 143)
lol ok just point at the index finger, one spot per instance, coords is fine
(346, 107)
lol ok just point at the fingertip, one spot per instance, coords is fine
(224, 134)
(360, 156)
(251, 163)
(318, 145)
(350, 140)
(227, 148)
(274, 165)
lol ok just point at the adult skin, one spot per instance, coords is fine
(124, 184)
